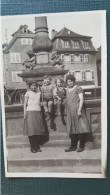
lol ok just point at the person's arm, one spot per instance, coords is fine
(41, 102)
(42, 94)
(55, 92)
(25, 105)
(80, 103)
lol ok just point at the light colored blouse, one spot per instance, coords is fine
(33, 103)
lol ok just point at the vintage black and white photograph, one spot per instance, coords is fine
(54, 95)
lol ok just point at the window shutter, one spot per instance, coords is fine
(72, 58)
(62, 57)
(92, 74)
(83, 75)
(81, 58)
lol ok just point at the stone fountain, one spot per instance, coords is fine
(42, 52)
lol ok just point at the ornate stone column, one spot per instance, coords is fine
(42, 44)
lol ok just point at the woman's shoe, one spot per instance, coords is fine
(70, 149)
(80, 149)
(39, 150)
(33, 150)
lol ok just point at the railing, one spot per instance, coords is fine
(18, 97)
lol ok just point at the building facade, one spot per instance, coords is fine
(14, 55)
(76, 51)
(78, 55)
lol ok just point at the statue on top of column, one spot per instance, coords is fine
(30, 62)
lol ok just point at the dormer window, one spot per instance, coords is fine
(86, 44)
(66, 43)
(75, 44)
(24, 29)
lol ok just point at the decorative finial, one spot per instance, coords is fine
(6, 36)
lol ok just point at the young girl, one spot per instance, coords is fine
(77, 123)
(59, 93)
(33, 117)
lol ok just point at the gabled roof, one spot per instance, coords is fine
(19, 31)
(20, 34)
(65, 33)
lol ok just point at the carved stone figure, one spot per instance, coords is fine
(30, 62)
(56, 59)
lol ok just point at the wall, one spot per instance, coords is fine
(15, 121)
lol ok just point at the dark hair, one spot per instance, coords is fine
(32, 82)
(47, 76)
(70, 77)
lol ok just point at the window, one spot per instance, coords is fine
(86, 44)
(76, 44)
(72, 58)
(29, 41)
(23, 41)
(62, 57)
(15, 58)
(81, 58)
(15, 77)
(66, 58)
(78, 75)
(86, 58)
(26, 41)
(66, 44)
(88, 75)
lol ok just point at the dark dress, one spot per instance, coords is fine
(76, 125)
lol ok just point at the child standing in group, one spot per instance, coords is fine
(33, 117)
(47, 95)
(59, 94)
(77, 123)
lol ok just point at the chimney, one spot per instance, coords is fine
(53, 33)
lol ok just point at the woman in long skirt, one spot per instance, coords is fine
(33, 121)
(77, 123)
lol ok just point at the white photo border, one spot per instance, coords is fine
(103, 106)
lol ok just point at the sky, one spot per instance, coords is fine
(84, 23)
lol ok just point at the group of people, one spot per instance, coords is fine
(77, 123)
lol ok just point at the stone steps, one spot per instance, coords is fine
(78, 168)
(55, 139)
(54, 159)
